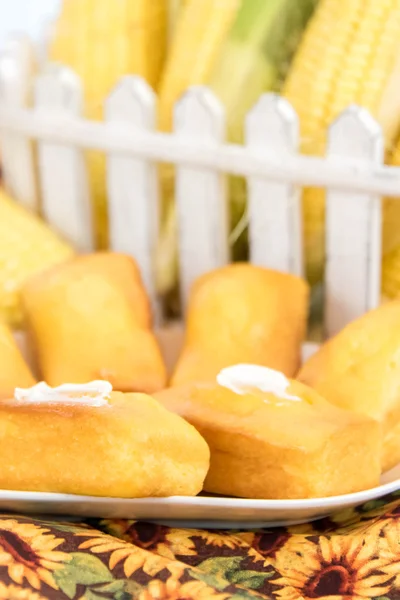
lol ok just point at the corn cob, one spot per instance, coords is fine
(391, 239)
(103, 40)
(174, 9)
(200, 30)
(350, 53)
(260, 45)
(27, 246)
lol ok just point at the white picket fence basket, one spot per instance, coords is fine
(352, 173)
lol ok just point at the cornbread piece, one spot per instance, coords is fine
(90, 319)
(359, 370)
(115, 445)
(243, 313)
(274, 438)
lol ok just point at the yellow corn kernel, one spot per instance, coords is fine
(200, 31)
(350, 53)
(27, 246)
(103, 40)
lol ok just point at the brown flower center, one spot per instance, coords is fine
(146, 535)
(334, 580)
(18, 548)
(268, 544)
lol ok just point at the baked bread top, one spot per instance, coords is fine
(359, 368)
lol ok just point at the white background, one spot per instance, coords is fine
(25, 16)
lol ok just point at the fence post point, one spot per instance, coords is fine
(17, 70)
(63, 169)
(353, 224)
(275, 223)
(132, 182)
(201, 194)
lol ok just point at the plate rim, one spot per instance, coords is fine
(329, 502)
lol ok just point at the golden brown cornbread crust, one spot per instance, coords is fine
(242, 313)
(130, 448)
(359, 370)
(262, 450)
(90, 319)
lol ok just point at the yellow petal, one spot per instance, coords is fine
(367, 552)
(47, 577)
(46, 542)
(5, 558)
(133, 563)
(336, 547)
(370, 582)
(373, 593)
(326, 550)
(51, 566)
(392, 539)
(156, 590)
(16, 572)
(393, 568)
(290, 581)
(165, 551)
(118, 555)
(154, 564)
(55, 556)
(176, 569)
(32, 579)
(91, 543)
(99, 546)
(353, 549)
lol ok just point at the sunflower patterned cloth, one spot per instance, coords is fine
(354, 555)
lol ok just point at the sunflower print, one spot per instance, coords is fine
(220, 539)
(172, 589)
(264, 546)
(344, 567)
(169, 543)
(372, 517)
(354, 555)
(389, 550)
(384, 516)
(29, 553)
(133, 558)
(14, 592)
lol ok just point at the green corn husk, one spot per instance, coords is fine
(253, 59)
(261, 45)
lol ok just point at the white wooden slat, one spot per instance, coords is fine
(274, 208)
(17, 69)
(201, 194)
(133, 186)
(353, 266)
(63, 172)
(301, 170)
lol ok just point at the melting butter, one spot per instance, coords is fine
(94, 393)
(243, 379)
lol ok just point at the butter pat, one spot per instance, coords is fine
(242, 379)
(94, 393)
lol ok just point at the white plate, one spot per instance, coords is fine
(198, 512)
